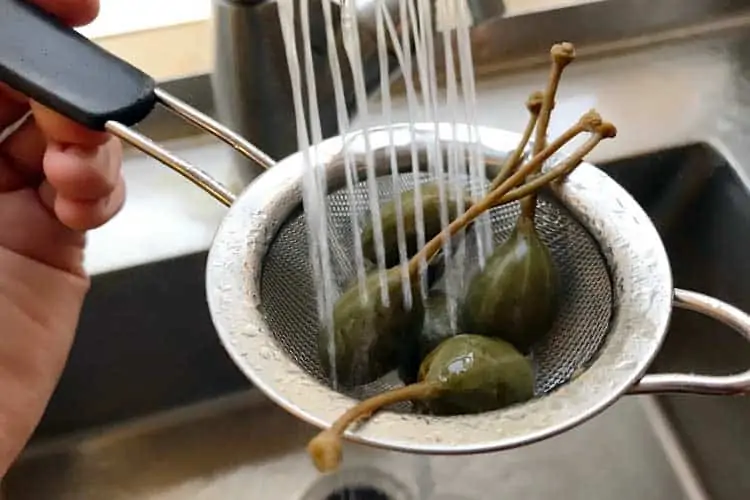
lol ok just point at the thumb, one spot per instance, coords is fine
(71, 12)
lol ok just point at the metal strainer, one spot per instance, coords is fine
(617, 281)
(616, 307)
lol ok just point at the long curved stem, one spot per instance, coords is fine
(562, 54)
(589, 120)
(534, 106)
(560, 170)
(325, 448)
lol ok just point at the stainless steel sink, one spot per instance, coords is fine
(701, 206)
(245, 448)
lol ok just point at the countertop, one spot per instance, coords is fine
(133, 28)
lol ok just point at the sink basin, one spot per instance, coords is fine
(701, 207)
(151, 407)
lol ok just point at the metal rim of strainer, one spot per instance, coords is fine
(637, 260)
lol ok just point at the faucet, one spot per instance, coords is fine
(251, 85)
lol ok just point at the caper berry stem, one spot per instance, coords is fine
(562, 54)
(606, 130)
(534, 106)
(587, 122)
(325, 448)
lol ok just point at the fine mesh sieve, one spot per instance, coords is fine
(290, 305)
(616, 304)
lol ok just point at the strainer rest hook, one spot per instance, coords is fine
(702, 384)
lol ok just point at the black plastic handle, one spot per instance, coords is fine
(65, 71)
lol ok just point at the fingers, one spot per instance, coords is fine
(84, 215)
(60, 129)
(83, 174)
(25, 148)
(53, 125)
(71, 12)
(21, 157)
(10, 178)
(84, 187)
(12, 106)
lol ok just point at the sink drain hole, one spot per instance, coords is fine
(359, 493)
(360, 483)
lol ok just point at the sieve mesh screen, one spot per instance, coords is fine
(288, 292)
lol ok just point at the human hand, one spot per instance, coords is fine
(57, 180)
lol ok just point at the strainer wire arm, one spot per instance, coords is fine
(181, 166)
(195, 175)
(63, 70)
(702, 384)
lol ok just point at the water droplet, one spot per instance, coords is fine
(625, 365)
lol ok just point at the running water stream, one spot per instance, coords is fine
(410, 38)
